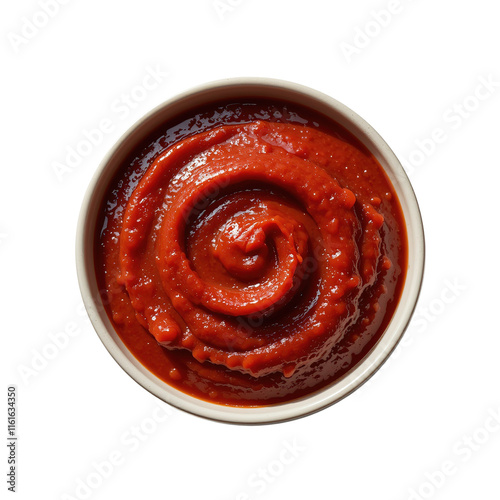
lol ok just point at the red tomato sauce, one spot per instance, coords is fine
(250, 253)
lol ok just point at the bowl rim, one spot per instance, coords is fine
(324, 397)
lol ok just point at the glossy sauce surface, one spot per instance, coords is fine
(250, 253)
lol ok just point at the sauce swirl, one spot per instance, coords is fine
(251, 253)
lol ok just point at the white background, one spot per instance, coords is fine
(431, 404)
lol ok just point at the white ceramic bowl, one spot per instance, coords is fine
(272, 89)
